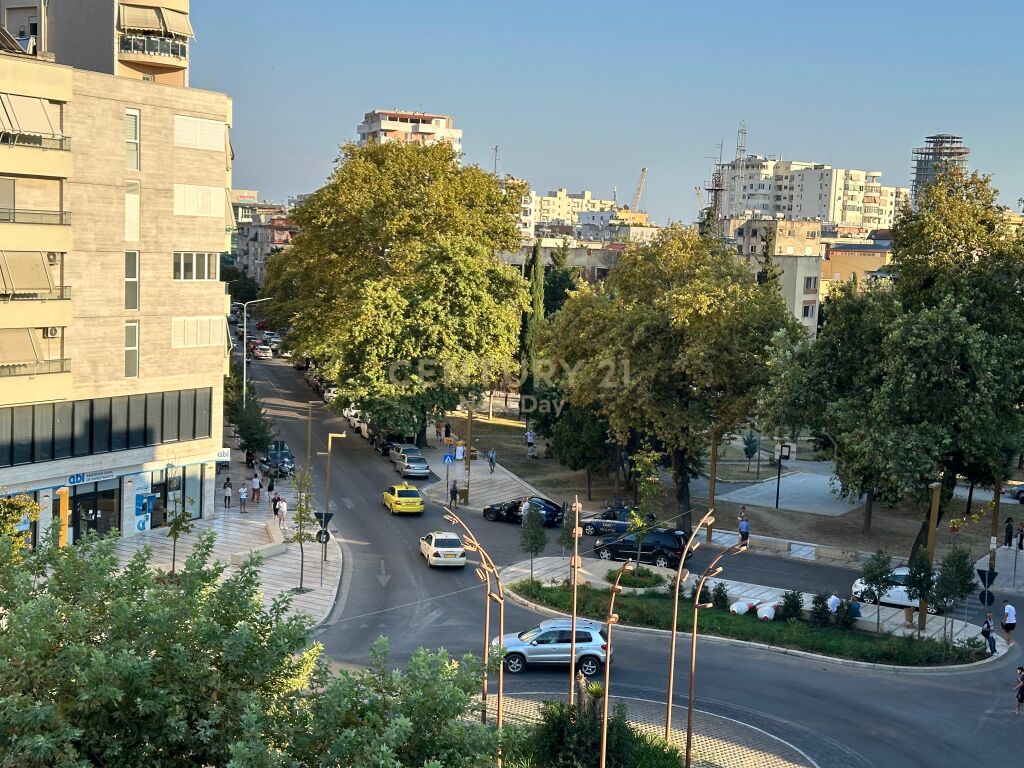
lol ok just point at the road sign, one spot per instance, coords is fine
(323, 536)
(323, 518)
(986, 598)
(448, 458)
(987, 577)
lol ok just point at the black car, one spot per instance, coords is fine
(610, 521)
(508, 511)
(383, 442)
(661, 547)
(279, 461)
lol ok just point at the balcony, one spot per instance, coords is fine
(35, 154)
(144, 46)
(40, 367)
(40, 140)
(29, 216)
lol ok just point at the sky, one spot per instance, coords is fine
(583, 94)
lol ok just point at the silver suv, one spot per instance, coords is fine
(549, 643)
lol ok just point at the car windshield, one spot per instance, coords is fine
(447, 543)
(410, 493)
(544, 505)
(529, 634)
(411, 451)
(418, 461)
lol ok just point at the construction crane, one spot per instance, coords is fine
(639, 190)
(700, 201)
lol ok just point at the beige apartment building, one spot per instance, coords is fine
(114, 210)
(564, 207)
(383, 125)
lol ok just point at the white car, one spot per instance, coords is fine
(354, 416)
(412, 466)
(443, 548)
(330, 393)
(895, 595)
(263, 352)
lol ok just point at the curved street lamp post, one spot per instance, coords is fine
(613, 618)
(575, 565)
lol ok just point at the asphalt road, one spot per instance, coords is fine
(839, 715)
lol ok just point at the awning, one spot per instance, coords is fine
(141, 18)
(27, 272)
(29, 115)
(6, 114)
(17, 347)
(177, 23)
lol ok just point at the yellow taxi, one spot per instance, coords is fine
(403, 499)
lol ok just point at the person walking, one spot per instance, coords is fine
(256, 485)
(529, 437)
(1018, 691)
(1020, 536)
(1008, 533)
(243, 495)
(270, 485)
(986, 632)
(524, 509)
(282, 513)
(744, 525)
(438, 430)
(447, 429)
(453, 494)
(275, 502)
(492, 459)
(228, 490)
(1009, 621)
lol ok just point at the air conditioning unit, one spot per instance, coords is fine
(51, 333)
(53, 257)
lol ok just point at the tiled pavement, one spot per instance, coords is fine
(238, 534)
(484, 487)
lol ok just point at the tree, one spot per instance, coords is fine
(532, 537)
(16, 512)
(877, 578)
(920, 581)
(304, 524)
(179, 522)
(241, 287)
(751, 445)
(532, 331)
(579, 440)
(673, 344)
(559, 279)
(255, 430)
(955, 581)
(394, 280)
(649, 494)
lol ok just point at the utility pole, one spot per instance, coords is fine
(496, 156)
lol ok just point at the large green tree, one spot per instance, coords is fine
(673, 344)
(559, 279)
(395, 283)
(579, 440)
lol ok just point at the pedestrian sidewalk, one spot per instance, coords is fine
(555, 570)
(238, 535)
(1009, 570)
(485, 487)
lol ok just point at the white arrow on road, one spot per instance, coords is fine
(384, 578)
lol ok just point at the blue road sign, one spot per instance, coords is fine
(448, 458)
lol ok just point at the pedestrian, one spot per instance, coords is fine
(282, 513)
(529, 437)
(492, 459)
(1009, 621)
(270, 485)
(531, 452)
(250, 459)
(227, 493)
(744, 526)
(833, 603)
(524, 509)
(454, 494)
(438, 429)
(275, 502)
(447, 429)
(1018, 691)
(243, 494)
(986, 632)
(256, 485)
(1008, 533)
(1020, 536)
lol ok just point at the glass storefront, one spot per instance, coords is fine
(95, 507)
(168, 489)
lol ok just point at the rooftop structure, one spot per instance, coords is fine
(940, 152)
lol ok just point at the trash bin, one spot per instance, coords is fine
(463, 495)
(908, 615)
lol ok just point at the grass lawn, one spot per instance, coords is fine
(655, 610)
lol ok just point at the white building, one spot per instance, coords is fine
(564, 207)
(382, 125)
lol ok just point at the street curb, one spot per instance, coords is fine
(941, 670)
(337, 584)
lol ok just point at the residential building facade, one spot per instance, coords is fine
(593, 260)
(382, 125)
(269, 231)
(563, 207)
(940, 152)
(114, 211)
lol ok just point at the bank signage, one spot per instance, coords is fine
(90, 477)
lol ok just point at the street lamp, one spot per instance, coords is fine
(309, 430)
(612, 619)
(713, 569)
(575, 565)
(681, 575)
(327, 498)
(245, 340)
(497, 595)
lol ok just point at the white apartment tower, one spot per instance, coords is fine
(383, 125)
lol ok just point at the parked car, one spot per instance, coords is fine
(399, 452)
(550, 643)
(354, 416)
(263, 352)
(443, 548)
(661, 547)
(273, 341)
(403, 499)
(895, 595)
(285, 354)
(412, 466)
(330, 393)
(300, 363)
(383, 441)
(279, 461)
(508, 511)
(610, 521)
(1014, 491)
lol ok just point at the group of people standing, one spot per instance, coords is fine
(1012, 536)
(253, 490)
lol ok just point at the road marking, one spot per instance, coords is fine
(348, 502)
(383, 578)
(433, 616)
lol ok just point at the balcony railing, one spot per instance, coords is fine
(154, 46)
(62, 365)
(60, 293)
(41, 140)
(27, 216)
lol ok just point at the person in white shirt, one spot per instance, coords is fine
(282, 512)
(1009, 621)
(523, 509)
(833, 603)
(243, 494)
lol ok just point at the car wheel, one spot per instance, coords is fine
(490, 514)
(1020, 497)
(605, 554)
(869, 597)
(589, 529)
(589, 666)
(933, 610)
(515, 663)
(661, 561)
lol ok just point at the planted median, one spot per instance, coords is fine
(654, 610)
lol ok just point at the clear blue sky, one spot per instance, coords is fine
(582, 94)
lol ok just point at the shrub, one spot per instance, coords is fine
(642, 578)
(792, 606)
(705, 593)
(844, 615)
(720, 596)
(820, 615)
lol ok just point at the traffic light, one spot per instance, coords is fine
(65, 516)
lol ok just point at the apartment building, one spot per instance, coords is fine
(593, 259)
(612, 227)
(269, 230)
(114, 211)
(383, 125)
(563, 207)
(941, 152)
(802, 190)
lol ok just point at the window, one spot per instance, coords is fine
(189, 265)
(131, 349)
(132, 193)
(118, 423)
(197, 133)
(131, 139)
(193, 200)
(810, 284)
(809, 310)
(131, 280)
(753, 249)
(191, 332)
